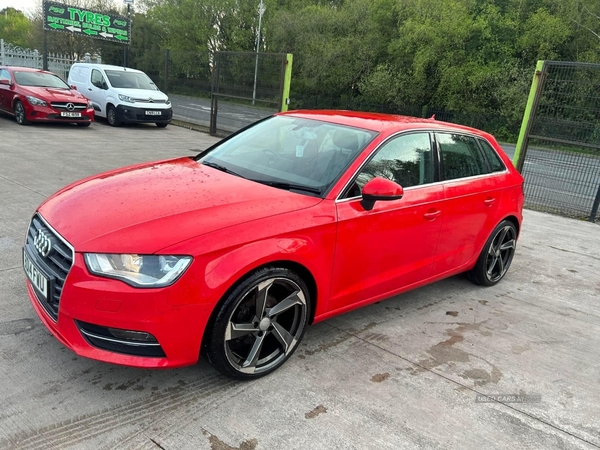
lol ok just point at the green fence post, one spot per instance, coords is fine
(287, 80)
(532, 101)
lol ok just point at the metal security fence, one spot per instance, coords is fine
(558, 152)
(247, 86)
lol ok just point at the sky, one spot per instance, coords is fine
(29, 6)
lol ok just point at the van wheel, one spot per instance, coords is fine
(111, 116)
(161, 124)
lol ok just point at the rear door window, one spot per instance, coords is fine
(461, 157)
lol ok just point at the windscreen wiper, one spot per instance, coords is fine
(221, 168)
(289, 186)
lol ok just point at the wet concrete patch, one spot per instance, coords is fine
(218, 444)
(315, 412)
(378, 378)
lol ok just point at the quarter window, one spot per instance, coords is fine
(4, 75)
(406, 160)
(494, 160)
(461, 156)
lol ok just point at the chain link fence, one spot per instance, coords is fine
(560, 151)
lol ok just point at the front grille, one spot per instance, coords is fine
(147, 100)
(62, 106)
(55, 266)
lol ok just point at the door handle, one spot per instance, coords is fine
(489, 201)
(89, 89)
(431, 215)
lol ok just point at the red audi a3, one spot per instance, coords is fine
(296, 219)
(33, 95)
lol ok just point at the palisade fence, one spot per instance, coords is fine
(12, 55)
(558, 152)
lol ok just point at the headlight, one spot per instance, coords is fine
(149, 271)
(167, 101)
(90, 105)
(126, 98)
(34, 101)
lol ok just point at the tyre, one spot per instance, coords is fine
(84, 124)
(161, 124)
(111, 116)
(496, 256)
(259, 324)
(20, 114)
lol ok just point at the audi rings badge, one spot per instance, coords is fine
(43, 243)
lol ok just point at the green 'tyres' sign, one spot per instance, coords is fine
(85, 22)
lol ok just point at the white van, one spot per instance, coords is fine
(121, 94)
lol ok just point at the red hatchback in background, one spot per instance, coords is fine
(33, 95)
(296, 219)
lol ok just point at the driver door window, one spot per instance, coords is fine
(406, 160)
(98, 79)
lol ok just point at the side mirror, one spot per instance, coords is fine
(5, 82)
(73, 87)
(380, 189)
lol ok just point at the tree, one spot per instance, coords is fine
(15, 27)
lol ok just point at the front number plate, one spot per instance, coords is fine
(153, 113)
(70, 114)
(35, 276)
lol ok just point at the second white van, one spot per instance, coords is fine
(121, 95)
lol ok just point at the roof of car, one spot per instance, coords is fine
(108, 67)
(379, 122)
(24, 69)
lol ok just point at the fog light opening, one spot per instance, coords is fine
(128, 335)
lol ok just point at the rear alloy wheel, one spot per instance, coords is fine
(111, 116)
(496, 256)
(259, 325)
(84, 124)
(20, 114)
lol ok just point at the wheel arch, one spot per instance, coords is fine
(16, 98)
(301, 270)
(513, 219)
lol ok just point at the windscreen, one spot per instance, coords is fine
(130, 80)
(291, 150)
(40, 79)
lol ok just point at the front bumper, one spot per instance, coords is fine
(130, 114)
(48, 114)
(91, 305)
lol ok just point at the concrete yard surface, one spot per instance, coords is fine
(411, 372)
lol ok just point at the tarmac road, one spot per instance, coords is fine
(401, 374)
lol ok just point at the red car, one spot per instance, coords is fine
(33, 95)
(301, 217)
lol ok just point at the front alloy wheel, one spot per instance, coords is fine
(20, 115)
(495, 259)
(259, 325)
